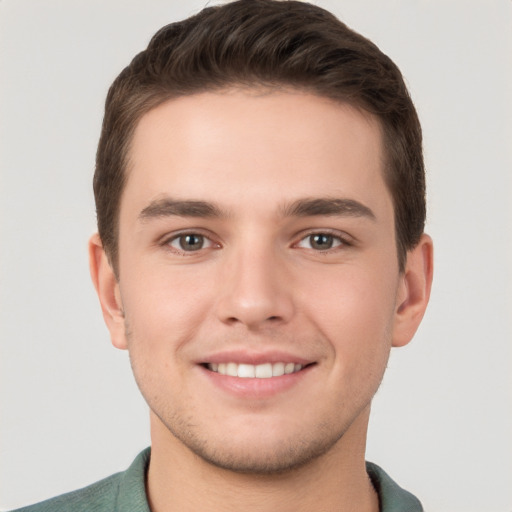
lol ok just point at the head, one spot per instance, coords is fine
(276, 45)
(260, 198)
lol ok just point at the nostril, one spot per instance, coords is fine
(234, 319)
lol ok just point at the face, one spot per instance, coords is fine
(259, 292)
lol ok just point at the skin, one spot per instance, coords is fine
(259, 287)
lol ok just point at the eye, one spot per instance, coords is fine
(321, 241)
(190, 242)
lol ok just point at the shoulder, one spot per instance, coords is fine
(108, 495)
(392, 497)
(98, 496)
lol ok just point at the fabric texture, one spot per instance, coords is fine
(126, 492)
(122, 492)
(392, 498)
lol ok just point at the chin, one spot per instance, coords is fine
(267, 462)
(259, 452)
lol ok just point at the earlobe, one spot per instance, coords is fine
(414, 291)
(107, 288)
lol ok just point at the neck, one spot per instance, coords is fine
(179, 480)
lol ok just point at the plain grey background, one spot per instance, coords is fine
(70, 411)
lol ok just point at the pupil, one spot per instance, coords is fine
(321, 241)
(191, 242)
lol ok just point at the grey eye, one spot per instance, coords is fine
(188, 242)
(321, 241)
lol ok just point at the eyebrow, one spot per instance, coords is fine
(308, 207)
(311, 207)
(168, 207)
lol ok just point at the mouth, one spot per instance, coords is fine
(254, 371)
(255, 376)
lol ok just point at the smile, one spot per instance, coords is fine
(251, 371)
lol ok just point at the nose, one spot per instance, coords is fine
(255, 289)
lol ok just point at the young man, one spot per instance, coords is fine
(260, 198)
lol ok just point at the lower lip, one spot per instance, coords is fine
(256, 388)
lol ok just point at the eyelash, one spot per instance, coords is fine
(167, 242)
(337, 239)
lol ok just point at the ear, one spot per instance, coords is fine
(107, 288)
(414, 291)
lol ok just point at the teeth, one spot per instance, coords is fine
(262, 371)
(231, 369)
(251, 371)
(277, 369)
(246, 371)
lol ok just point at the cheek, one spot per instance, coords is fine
(356, 316)
(164, 308)
(163, 313)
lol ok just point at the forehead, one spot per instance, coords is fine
(253, 144)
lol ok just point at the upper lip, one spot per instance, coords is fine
(244, 357)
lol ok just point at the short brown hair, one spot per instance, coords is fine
(271, 43)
